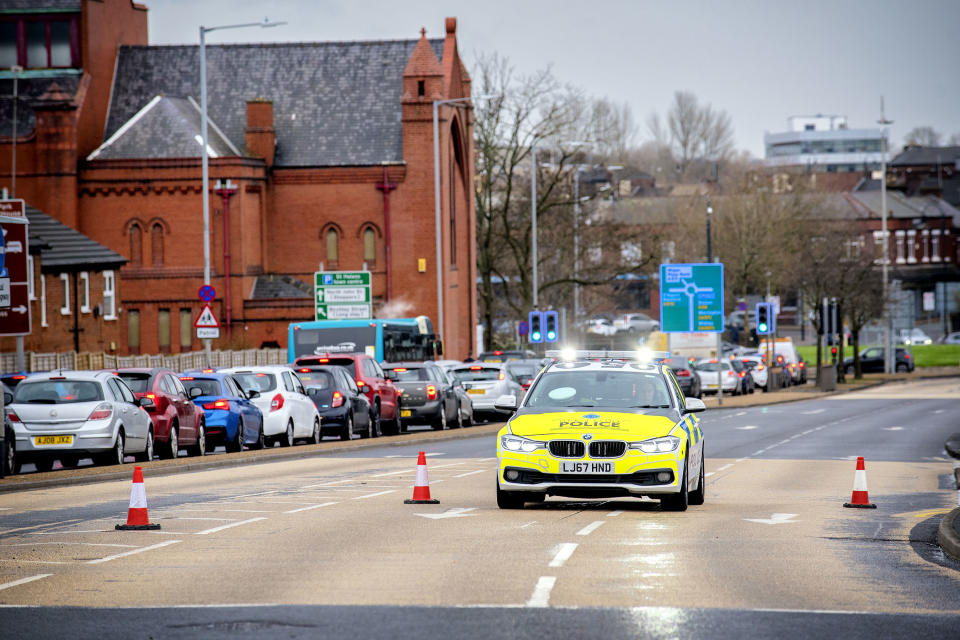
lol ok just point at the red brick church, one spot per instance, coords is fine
(321, 153)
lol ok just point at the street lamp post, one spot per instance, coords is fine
(204, 152)
(887, 351)
(16, 69)
(709, 213)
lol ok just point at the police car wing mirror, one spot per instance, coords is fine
(694, 405)
(506, 403)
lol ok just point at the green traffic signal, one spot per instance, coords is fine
(763, 327)
(535, 336)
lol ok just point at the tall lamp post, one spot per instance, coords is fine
(436, 202)
(16, 70)
(709, 214)
(887, 351)
(204, 151)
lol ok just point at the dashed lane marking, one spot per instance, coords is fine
(541, 592)
(614, 514)
(228, 526)
(15, 583)
(564, 552)
(37, 526)
(590, 528)
(724, 467)
(313, 506)
(374, 495)
(812, 412)
(470, 473)
(134, 552)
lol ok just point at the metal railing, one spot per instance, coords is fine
(72, 360)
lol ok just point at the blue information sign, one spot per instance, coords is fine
(691, 297)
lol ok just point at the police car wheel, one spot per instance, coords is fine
(678, 501)
(698, 495)
(509, 499)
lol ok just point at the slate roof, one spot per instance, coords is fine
(168, 128)
(65, 249)
(926, 156)
(28, 90)
(334, 103)
(16, 6)
(280, 286)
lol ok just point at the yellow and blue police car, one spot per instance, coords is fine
(601, 425)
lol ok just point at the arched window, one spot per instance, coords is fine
(369, 245)
(333, 245)
(136, 245)
(156, 244)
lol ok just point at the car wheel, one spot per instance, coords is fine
(509, 499)
(440, 422)
(43, 464)
(261, 441)
(679, 501)
(459, 424)
(901, 368)
(200, 448)
(468, 421)
(10, 456)
(375, 423)
(315, 434)
(147, 454)
(698, 495)
(347, 433)
(369, 430)
(116, 454)
(172, 448)
(237, 443)
(287, 437)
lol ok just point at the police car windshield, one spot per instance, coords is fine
(609, 389)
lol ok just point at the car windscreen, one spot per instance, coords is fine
(475, 374)
(58, 392)
(317, 379)
(613, 389)
(207, 386)
(407, 374)
(256, 381)
(138, 382)
(523, 370)
(711, 366)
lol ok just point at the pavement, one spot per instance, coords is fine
(948, 535)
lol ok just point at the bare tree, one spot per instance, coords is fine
(697, 132)
(925, 136)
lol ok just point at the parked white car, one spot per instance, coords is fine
(758, 370)
(913, 336)
(484, 383)
(707, 370)
(71, 415)
(601, 326)
(288, 412)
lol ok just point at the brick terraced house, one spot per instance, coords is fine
(320, 154)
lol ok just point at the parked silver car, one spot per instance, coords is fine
(485, 383)
(71, 415)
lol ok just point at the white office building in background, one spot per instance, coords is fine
(824, 143)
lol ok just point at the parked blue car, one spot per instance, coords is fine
(231, 419)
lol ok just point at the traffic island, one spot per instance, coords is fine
(948, 535)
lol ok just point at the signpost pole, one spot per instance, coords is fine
(720, 368)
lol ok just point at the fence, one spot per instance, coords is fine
(72, 360)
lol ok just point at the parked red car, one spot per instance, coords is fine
(381, 393)
(177, 421)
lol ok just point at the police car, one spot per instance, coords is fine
(601, 425)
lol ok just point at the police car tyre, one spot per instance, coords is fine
(698, 496)
(679, 501)
(509, 499)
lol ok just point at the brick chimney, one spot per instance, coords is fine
(260, 134)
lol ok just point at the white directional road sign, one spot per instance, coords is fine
(342, 295)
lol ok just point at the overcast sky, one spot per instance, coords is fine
(760, 60)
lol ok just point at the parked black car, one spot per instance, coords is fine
(747, 383)
(686, 375)
(871, 361)
(343, 409)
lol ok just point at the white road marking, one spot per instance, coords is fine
(524, 526)
(893, 429)
(741, 413)
(214, 519)
(807, 432)
(614, 514)
(812, 412)
(374, 495)
(392, 473)
(7, 585)
(747, 428)
(456, 512)
(784, 441)
(19, 560)
(328, 484)
(37, 526)
(708, 474)
(63, 533)
(590, 528)
(134, 552)
(228, 526)
(86, 544)
(563, 554)
(6, 508)
(940, 411)
(470, 473)
(541, 592)
(217, 511)
(777, 518)
(724, 467)
(756, 453)
(414, 457)
(313, 506)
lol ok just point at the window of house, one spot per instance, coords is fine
(156, 244)
(369, 245)
(421, 87)
(133, 330)
(186, 329)
(65, 281)
(901, 241)
(911, 245)
(31, 291)
(84, 292)
(333, 245)
(136, 245)
(109, 296)
(878, 243)
(935, 246)
(40, 41)
(163, 330)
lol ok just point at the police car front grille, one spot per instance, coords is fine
(607, 448)
(566, 448)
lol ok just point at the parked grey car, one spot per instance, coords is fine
(72, 415)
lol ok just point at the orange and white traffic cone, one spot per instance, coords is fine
(137, 518)
(860, 499)
(421, 487)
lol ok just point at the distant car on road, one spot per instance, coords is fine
(913, 336)
(639, 322)
(343, 409)
(427, 395)
(177, 421)
(485, 383)
(229, 413)
(505, 355)
(871, 361)
(288, 413)
(686, 375)
(950, 338)
(601, 327)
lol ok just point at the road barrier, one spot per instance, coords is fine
(71, 360)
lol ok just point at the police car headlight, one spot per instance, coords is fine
(657, 445)
(516, 443)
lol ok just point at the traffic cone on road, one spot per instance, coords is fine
(137, 518)
(860, 499)
(421, 486)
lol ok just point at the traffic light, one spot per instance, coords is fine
(764, 318)
(550, 326)
(536, 326)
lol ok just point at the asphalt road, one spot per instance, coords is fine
(325, 547)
